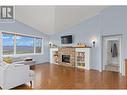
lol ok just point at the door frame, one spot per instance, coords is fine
(120, 58)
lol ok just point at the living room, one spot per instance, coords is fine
(64, 47)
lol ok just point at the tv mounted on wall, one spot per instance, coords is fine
(66, 39)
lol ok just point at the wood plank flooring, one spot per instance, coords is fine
(51, 76)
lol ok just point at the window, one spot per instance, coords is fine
(38, 45)
(8, 43)
(24, 44)
(20, 44)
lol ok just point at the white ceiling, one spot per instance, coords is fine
(52, 19)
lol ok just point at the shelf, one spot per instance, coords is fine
(81, 64)
(80, 59)
(80, 67)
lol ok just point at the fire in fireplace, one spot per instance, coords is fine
(66, 58)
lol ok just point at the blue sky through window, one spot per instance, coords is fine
(8, 39)
(24, 41)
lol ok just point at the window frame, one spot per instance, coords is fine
(19, 34)
(35, 45)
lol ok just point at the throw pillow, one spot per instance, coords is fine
(8, 60)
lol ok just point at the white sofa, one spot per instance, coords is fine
(12, 75)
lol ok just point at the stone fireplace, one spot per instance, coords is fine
(71, 56)
(66, 56)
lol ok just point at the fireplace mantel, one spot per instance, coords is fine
(72, 55)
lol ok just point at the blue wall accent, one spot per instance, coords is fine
(83, 33)
(110, 21)
(113, 21)
(19, 27)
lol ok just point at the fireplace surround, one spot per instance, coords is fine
(66, 56)
(78, 57)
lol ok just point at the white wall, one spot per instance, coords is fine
(19, 27)
(68, 16)
(52, 19)
(110, 21)
(38, 17)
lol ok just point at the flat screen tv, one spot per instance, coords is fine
(66, 39)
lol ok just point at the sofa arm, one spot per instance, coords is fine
(17, 75)
(14, 75)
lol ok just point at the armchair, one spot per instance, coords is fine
(13, 75)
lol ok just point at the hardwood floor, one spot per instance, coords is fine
(51, 76)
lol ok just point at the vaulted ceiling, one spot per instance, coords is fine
(53, 19)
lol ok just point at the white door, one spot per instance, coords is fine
(112, 53)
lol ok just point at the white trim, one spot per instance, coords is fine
(113, 37)
(14, 45)
(1, 47)
(42, 47)
(22, 34)
(121, 63)
(16, 55)
(34, 46)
